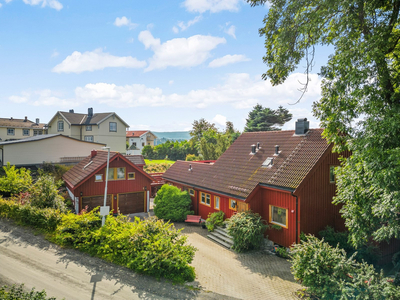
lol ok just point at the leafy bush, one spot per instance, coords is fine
(15, 181)
(192, 157)
(150, 247)
(156, 168)
(215, 219)
(44, 193)
(282, 252)
(17, 292)
(368, 253)
(172, 204)
(46, 219)
(57, 171)
(328, 273)
(247, 229)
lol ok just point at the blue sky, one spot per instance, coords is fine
(159, 65)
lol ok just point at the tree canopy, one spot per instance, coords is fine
(360, 104)
(266, 119)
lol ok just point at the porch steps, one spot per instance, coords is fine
(222, 237)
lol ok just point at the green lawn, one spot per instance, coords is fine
(158, 161)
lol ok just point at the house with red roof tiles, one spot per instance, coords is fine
(128, 185)
(285, 176)
(137, 139)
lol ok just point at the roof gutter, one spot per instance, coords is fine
(206, 189)
(277, 187)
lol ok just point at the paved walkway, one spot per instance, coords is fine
(255, 275)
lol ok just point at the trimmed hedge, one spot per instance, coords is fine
(41, 218)
(151, 247)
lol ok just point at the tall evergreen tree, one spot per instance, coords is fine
(266, 119)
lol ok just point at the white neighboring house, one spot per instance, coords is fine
(51, 148)
(138, 139)
(107, 128)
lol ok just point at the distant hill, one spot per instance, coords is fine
(175, 135)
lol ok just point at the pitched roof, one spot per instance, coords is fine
(136, 159)
(88, 166)
(20, 123)
(43, 137)
(237, 172)
(84, 119)
(136, 133)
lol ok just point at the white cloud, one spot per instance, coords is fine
(1, 5)
(227, 60)
(8, 1)
(55, 53)
(51, 3)
(213, 6)
(231, 31)
(79, 62)
(170, 82)
(183, 26)
(179, 52)
(124, 21)
(44, 97)
(219, 120)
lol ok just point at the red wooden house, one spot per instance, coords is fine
(128, 185)
(285, 176)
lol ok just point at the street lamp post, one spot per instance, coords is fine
(105, 212)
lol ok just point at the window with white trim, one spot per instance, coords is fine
(205, 199)
(98, 177)
(10, 131)
(89, 138)
(278, 216)
(131, 175)
(113, 126)
(88, 127)
(60, 126)
(232, 204)
(25, 132)
(191, 192)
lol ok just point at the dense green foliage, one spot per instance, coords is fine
(328, 273)
(151, 247)
(15, 180)
(44, 193)
(170, 150)
(57, 171)
(360, 106)
(247, 229)
(215, 219)
(368, 252)
(17, 293)
(266, 119)
(172, 204)
(25, 214)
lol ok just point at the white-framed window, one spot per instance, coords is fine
(89, 138)
(88, 127)
(332, 178)
(25, 132)
(113, 126)
(205, 199)
(134, 144)
(131, 175)
(98, 177)
(278, 216)
(37, 132)
(10, 131)
(142, 144)
(116, 173)
(232, 204)
(60, 126)
(216, 202)
(191, 192)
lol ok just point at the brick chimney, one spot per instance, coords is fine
(93, 153)
(26, 119)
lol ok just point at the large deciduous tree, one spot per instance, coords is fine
(360, 103)
(266, 119)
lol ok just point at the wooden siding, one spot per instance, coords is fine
(260, 203)
(115, 187)
(315, 199)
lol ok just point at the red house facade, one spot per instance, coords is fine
(128, 185)
(285, 176)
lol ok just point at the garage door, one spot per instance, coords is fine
(95, 201)
(131, 203)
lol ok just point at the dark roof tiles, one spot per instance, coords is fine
(237, 172)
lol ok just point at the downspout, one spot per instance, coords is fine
(297, 218)
(2, 157)
(81, 133)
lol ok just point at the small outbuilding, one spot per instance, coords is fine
(128, 185)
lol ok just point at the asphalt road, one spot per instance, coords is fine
(66, 273)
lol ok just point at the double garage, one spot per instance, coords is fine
(125, 203)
